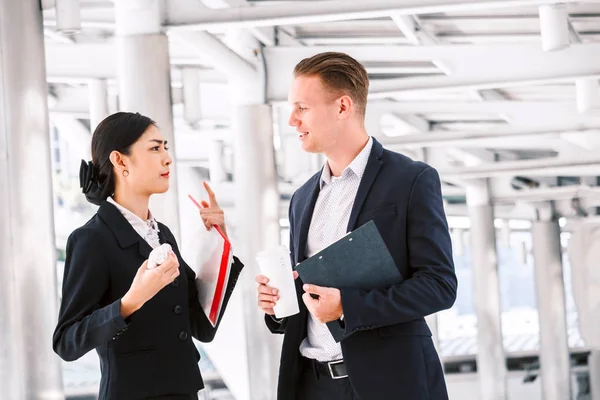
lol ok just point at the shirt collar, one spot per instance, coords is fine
(140, 226)
(357, 166)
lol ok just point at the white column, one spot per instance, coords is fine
(98, 98)
(143, 72)
(594, 371)
(505, 234)
(257, 210)
(491, 365)
(550, 296)
(191, 95)
(458, 239)
(113, 100)
(216, 162)
(29, 369)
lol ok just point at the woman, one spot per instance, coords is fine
(140, 321)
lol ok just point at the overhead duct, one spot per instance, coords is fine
(68, 16)
(554, 26)
(588, 94)
(222, 57)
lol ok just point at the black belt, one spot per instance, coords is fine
(333, 369)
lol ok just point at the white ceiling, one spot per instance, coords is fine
(463, 79)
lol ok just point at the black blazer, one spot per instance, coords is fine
(388, 349)
(151, 353)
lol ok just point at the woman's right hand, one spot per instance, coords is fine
(147, 283)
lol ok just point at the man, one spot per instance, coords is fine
(387, 352)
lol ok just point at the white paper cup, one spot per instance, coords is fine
(276, 265)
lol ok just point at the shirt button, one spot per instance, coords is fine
(175, 282)
(178, 310)
(183, 335)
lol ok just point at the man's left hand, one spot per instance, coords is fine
(326, 308)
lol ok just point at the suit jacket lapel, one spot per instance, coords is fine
(371, 171)
(125, 234)
(144, 248)
(305, 218)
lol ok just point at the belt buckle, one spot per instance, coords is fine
(333, 376)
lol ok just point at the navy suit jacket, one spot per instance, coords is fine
(151, 353)
(388, 348)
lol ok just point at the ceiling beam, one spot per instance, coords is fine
(412, 31)
(78, 62)
(471, 139)
(326, 11)
(476, 67)
(542, 167)
(471, 67)
(549, 193)
(471, 107)
(391, 87)
(460, 53)
(489, 95)
(523, 115)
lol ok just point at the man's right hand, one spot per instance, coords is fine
(267, 295)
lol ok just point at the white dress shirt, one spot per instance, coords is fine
(329, 223)
(148, 229)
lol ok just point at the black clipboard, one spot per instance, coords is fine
(359, 260)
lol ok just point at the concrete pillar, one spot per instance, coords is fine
(257, 210)
(144, 81)
(491, 364)
(594, 371)
(98, 98)
(505, 232)
(191, 95)
(550, 296)
(113, 100)
(458, 239)
(29, 369)
(216, 162)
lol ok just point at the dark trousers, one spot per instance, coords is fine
(315, 385)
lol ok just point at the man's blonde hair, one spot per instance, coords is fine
(340, 74)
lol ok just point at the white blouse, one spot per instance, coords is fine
(148, 229)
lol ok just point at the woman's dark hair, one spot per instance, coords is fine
(116, 132)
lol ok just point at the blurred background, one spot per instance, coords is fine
(501, 97)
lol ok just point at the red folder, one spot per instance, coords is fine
(212, 271)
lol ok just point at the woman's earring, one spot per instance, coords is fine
(125, 173)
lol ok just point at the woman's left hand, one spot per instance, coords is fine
(211, 213)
